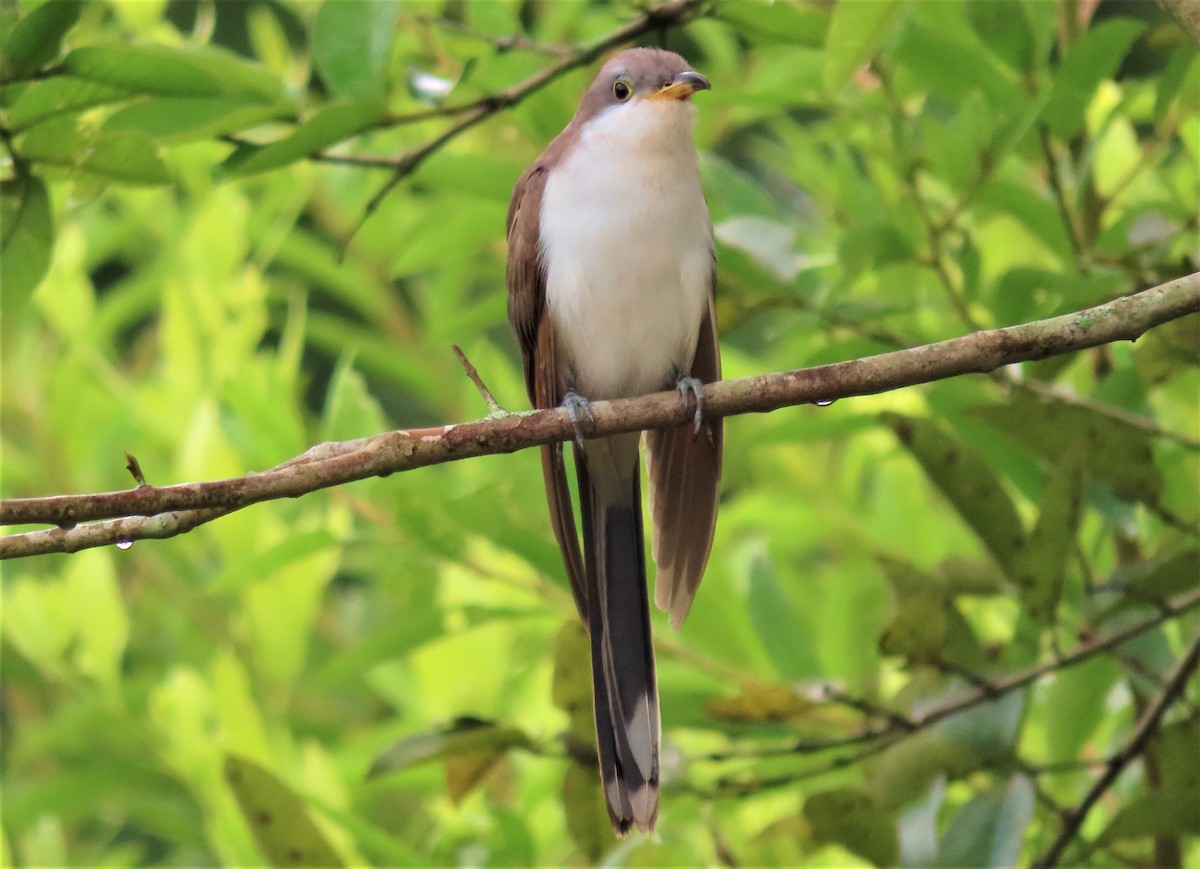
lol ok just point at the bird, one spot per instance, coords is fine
(611, 272)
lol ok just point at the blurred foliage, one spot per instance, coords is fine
(390, 673)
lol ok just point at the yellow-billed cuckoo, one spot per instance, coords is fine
(610, 282)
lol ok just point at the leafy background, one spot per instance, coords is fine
(391, 673)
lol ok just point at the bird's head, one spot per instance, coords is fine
(643, 90)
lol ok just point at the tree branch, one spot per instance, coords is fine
(899, 727)
(1187, 13)
(1137, 744)
(336, 463)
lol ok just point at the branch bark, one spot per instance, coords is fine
(333, 464)
(1187, 13)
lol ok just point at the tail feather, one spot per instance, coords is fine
(625, 691)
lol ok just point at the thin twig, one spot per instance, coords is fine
(1142, 733)
(494, 408)
(1074, 233)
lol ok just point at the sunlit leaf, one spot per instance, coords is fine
(39, 100)
(183, 118)
(277, 817)
(464, 737)
(1088, 62)
(128, 157)
(36, 38)
(352, 41)
(172, 72)
(327, 127)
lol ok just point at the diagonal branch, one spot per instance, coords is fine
(898, 727)
(1142, 734)
(333, 464)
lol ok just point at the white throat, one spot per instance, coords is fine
(627, 243)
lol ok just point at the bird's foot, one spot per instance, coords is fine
(577, 407)
(690, 386)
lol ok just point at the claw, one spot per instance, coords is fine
(691, 386)
(577, 407)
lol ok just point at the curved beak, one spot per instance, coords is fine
(682, 86)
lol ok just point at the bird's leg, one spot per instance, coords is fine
(577, 407)
(690, 386)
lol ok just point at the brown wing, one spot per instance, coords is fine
(527, 316)
(684, 468)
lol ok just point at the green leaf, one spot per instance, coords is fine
(949, 64)
(571, 689)
(872, 246)
(464, 736)
(856, 32)
(906, 770)
(173, 71)
(1112, 451)
(1160, 813)
(100, 643)
(851, 818)
(731, 191)
(1174, 753)
(988, 731)
(39, 100)
(327, 127)
(917, 827)
(1042, 565)
(277, 817)
(759, 702)
(1034, 211)
(1003, 27)
(583, 805)
(1076, 699)
(775, 620)
(57, 141)
(127, 157)
(352, 44)
(1162, 578)
(350, 409)
(958, 575)
(772, 244)
(918, 631)
(467, 771)
(36, 38)
(26, 239)
(990, 829)
(793, 24)
(927, 627)
(1091, 60)
(968, 483)
(185, 118)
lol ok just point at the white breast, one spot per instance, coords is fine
(627, 242)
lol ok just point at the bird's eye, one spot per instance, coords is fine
(621, 90)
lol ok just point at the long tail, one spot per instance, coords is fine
(624, 687)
